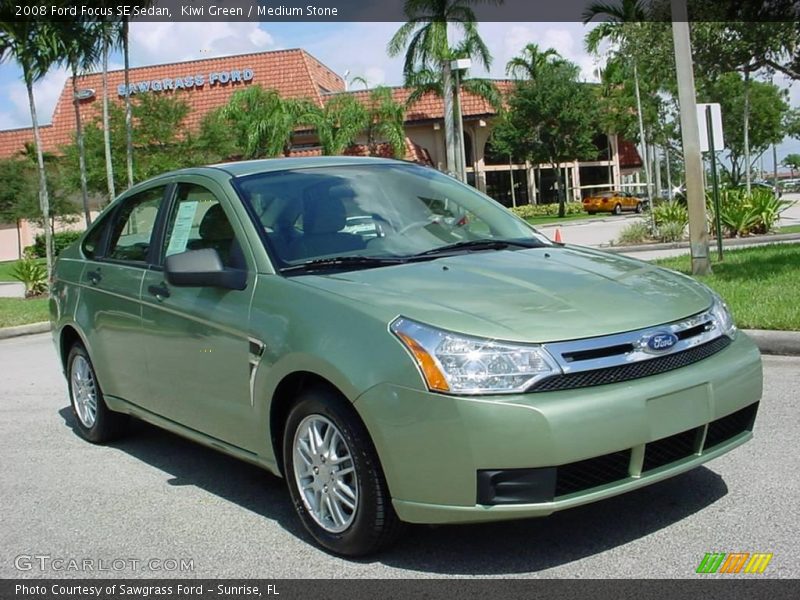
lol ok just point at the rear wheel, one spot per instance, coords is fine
(334, 477)
(94, 421)
(638, 208)
(617, 209)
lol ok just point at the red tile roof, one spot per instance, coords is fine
(414, 152)
(293, 73)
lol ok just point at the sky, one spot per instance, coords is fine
(358, 49)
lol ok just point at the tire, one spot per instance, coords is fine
(639, 208)
(591, 212)
(93, 419)
(354, 516)
(617, 209)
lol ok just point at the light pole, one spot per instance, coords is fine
(690, 134)
(457, 66)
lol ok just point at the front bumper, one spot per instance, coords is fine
(432, 446)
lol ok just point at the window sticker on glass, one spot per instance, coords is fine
(182, 228)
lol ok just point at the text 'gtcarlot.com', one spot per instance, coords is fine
(46, 562)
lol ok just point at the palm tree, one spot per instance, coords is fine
(618, 16)
(530, 62)
(126, 54)
(385, 120)
(263, 123)
(338, 123)
(108, 38)
(34, 45)
(80, 52)
(427, 48)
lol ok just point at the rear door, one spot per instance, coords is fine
(198, 349)
(109, 310)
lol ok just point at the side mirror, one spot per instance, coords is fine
(202, 268)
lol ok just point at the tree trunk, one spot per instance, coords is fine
(106, 124)
(128, 117)
(81, 149)
(642, 139)
(19, 237)
(449, 119)
(562, 191)
(44, 198)
(747, 127)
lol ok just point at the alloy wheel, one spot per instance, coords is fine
(325, 474)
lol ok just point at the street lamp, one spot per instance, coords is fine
(458, 65)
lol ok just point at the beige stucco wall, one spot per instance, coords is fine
(9, 249)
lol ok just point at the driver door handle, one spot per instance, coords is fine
(159, 291)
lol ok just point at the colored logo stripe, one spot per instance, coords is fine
(734, 562)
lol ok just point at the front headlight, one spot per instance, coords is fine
(722, 317)
(460, 364)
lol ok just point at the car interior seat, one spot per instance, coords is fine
(324, 217)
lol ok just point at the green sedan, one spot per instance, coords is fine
(396, 345)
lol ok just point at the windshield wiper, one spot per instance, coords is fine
(342, 262)
(485, 244)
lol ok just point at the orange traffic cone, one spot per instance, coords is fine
(558, 236)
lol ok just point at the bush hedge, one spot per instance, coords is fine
(528, 211)
(61, 240)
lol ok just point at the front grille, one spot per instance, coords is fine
(667, 450)
(637, 370)
(592, 472)
(723, 429)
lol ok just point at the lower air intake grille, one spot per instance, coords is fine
(723, 429)
(585, 474)
(636, 370)
(667, 450)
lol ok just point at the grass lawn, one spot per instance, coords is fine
(548, 220)
(790, 229)
(17, 311)
(759, 284)
(8, 266)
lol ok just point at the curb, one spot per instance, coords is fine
(712, 244)
(780, 343)
(30, 329)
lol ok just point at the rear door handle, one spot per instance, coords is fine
(94, 276)
(159, 291)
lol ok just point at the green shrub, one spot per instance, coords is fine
(735, 213)
(741, 214)
(635, 233)
(671, 213)
(61, 240)
(528, 211)
(32, 274)
(767, 209)
(671, 232)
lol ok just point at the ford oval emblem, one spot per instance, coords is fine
(661, 341)
(84, 94)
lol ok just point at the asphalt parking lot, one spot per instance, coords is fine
(156, 497)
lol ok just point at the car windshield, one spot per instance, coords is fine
(382, 211)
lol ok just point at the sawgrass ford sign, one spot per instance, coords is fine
(187, 82)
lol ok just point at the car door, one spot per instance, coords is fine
(109, 311)
(198, 348)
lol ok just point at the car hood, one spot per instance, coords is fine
(534, 295)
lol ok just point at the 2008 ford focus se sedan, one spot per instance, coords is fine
(396, 345)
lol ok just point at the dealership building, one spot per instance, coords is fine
(209, 83)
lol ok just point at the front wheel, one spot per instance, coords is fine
(95, 422)
(334, 476)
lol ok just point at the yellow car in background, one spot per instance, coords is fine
(613, 202)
